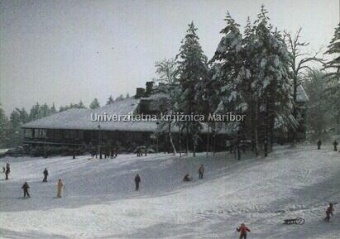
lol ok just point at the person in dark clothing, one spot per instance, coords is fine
(3, 169)
(45, 175)
(137, 181)
(201, 172)
(319, 144)
(329, 212)
(243, 231)
(25, 187)
(335, 143)
(187, 178)
(8, 170)
(265, 148)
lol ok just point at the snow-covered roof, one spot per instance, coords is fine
(156, 96)
(86, 119)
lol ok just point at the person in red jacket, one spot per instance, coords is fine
(243, 231)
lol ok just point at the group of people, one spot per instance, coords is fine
(243, 229)
(335, 144)
(188, 178)
(60, 186)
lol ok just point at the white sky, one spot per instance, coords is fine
(64, 51)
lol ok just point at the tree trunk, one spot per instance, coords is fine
(171, 141)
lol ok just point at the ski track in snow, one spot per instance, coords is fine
(99, 200)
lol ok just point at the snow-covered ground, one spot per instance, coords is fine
(99, 199)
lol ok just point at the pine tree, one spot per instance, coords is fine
(333, 74)
(44, 111)
(94, 104)
(228, 57)
(80, 105)
(53, 109)
(193, 69)
(119, 98)
(110, 100)
(271, 86)
(34, 112)
(334, 50)
(14, 133)
(319, 114)
(24, 117)
(4, 125)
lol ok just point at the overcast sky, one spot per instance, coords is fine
(64, 51)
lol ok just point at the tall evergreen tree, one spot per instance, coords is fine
(34, 112)
(271, 86)
(193, 69)
(254, 74)
(15, 133)
(94, 104)
(4, 125)
(119, 98)
(53, 109)
(110, 100)
(333, 74)
(44, 111)
(319, 112)
(334, 50)
(228, 61)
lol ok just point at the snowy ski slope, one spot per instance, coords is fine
(99, 199)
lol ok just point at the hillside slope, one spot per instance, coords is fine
(100, 201)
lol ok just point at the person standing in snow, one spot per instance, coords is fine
(137, 181)
(25, 188)
(45, 175)
(59, 188)
(335, 143)
(8, 170)
(329, 212)
(319, 144)
(201, 172)
(243, 231)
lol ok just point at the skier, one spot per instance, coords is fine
(45, 175)
(319, 144)
(335, 143)
(329, 212)
(137, 181)
(243, 231)
(8, 170)
(201, 172)
(25, 187)
(187, 178)
(59, 188)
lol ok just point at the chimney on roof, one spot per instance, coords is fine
(139, 93)
(149, 87)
